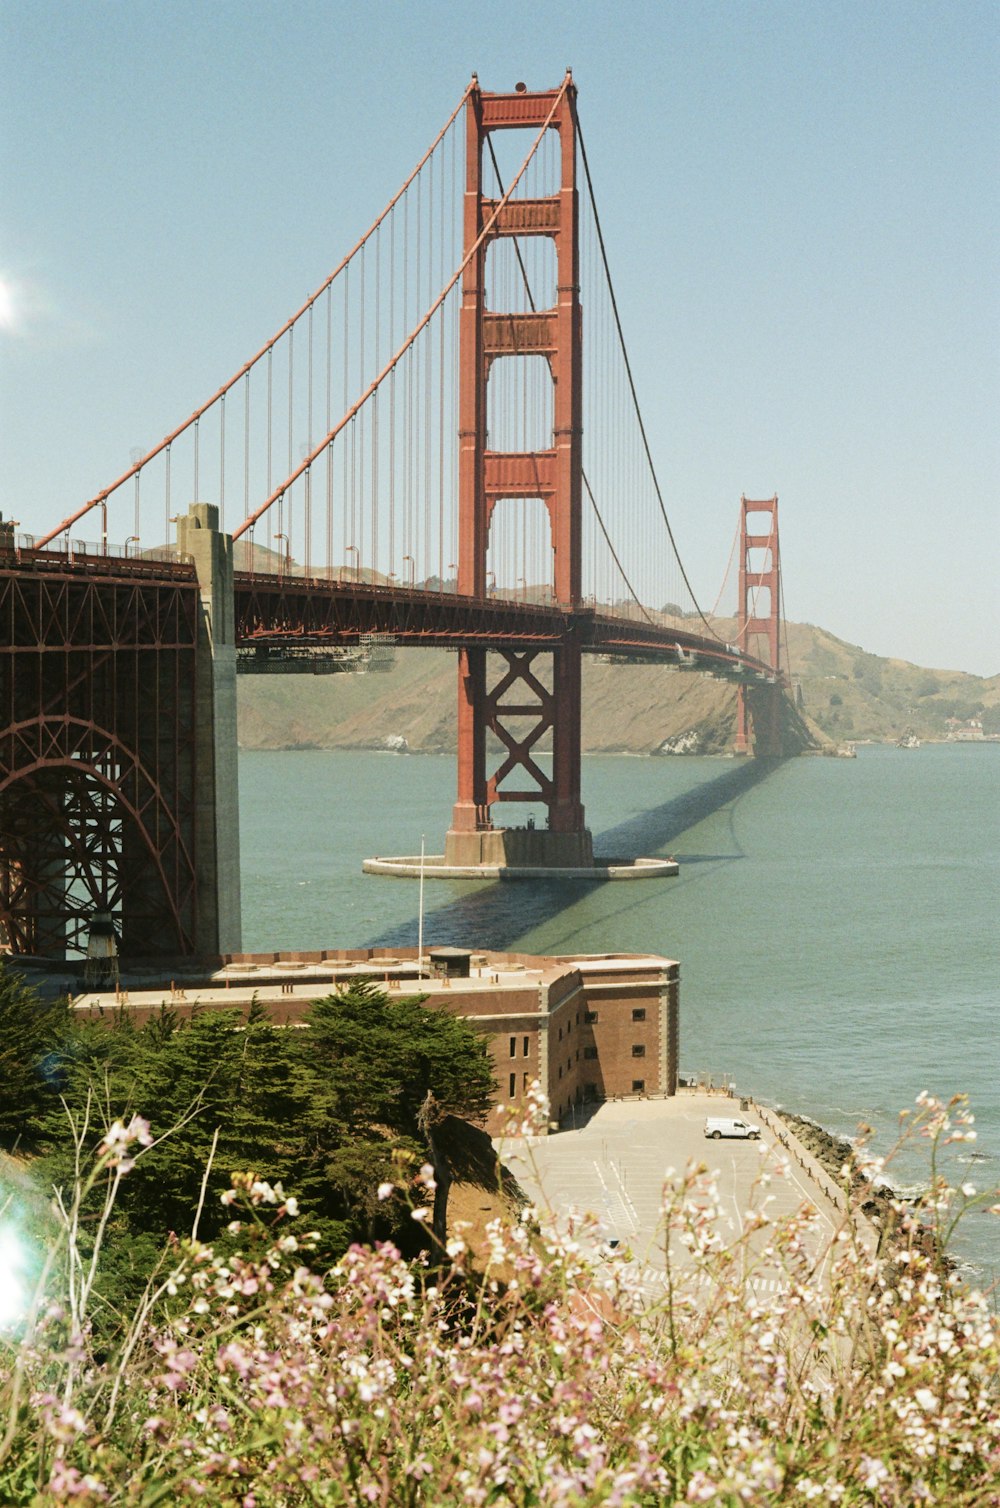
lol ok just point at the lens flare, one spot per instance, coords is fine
(13, 1277)
(8, 304)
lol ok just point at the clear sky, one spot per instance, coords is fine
(801, 200)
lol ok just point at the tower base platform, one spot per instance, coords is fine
(436, 867)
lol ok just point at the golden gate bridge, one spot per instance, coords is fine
(442, 446)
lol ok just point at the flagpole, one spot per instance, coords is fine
(420, 933)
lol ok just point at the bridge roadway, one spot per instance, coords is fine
(294, 612)
(275, 612)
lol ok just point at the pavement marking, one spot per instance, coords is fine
(656, 1277)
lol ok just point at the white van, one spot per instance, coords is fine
(727, 1125)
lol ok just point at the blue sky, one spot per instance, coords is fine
(800, 202)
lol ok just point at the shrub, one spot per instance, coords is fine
(252, 1380)
(31, 1032)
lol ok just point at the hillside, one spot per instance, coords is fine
(843, 692)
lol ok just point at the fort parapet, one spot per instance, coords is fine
(589, 1027)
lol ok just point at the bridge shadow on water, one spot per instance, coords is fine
(493, 914)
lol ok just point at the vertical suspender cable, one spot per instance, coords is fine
(358, 503)
(287, 525)
(391, 562)
(166, 497)
(348, 521)
(631, 383)
(375, 423)
(407, 347)
(222, 460)
(270, 431)
(329, 421)
(246, 444)
(428, 551)
(307, 544)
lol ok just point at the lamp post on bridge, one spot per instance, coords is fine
(353, 549)
(410, 577)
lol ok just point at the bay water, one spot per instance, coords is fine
(836, 920)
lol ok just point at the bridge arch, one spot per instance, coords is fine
(86, 828)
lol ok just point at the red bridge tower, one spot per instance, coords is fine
(528, 699)
(759, 705)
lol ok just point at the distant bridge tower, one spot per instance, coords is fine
(759, 705)
(525, 703)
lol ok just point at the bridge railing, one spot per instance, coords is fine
(76, 552)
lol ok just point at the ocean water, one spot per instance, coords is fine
(836, 921)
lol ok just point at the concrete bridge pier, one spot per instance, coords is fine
(217, 925)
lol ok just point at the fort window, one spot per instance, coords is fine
(638, 1050)
(591, 1017)
(524, 1047)
(524, 1082)
(590, 1053)
(513, 1085)
(639, 1014)
(513, 1047)
(638, 1086)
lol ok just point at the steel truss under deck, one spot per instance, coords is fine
(97, 767)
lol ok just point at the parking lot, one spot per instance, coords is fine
(613, 1167)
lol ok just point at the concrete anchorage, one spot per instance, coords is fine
(217, 819)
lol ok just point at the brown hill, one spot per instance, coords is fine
(843, 693)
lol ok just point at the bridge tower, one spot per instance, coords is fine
(528, 699)
(759, 705)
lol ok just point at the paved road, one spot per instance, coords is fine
(613, 1168)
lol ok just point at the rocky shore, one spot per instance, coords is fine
(875, 1201)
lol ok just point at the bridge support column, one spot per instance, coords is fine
(759, 706)
(218, 924)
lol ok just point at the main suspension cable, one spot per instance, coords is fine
(267, 349)
(729, 565)
(631, 383)
(593, 501)
(393, 362)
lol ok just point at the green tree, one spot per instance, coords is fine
(382, 1056)
(329, 1111)
(397, 1065)
(32, 1032)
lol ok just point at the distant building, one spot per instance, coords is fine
(970, 731)
(590, 1027)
